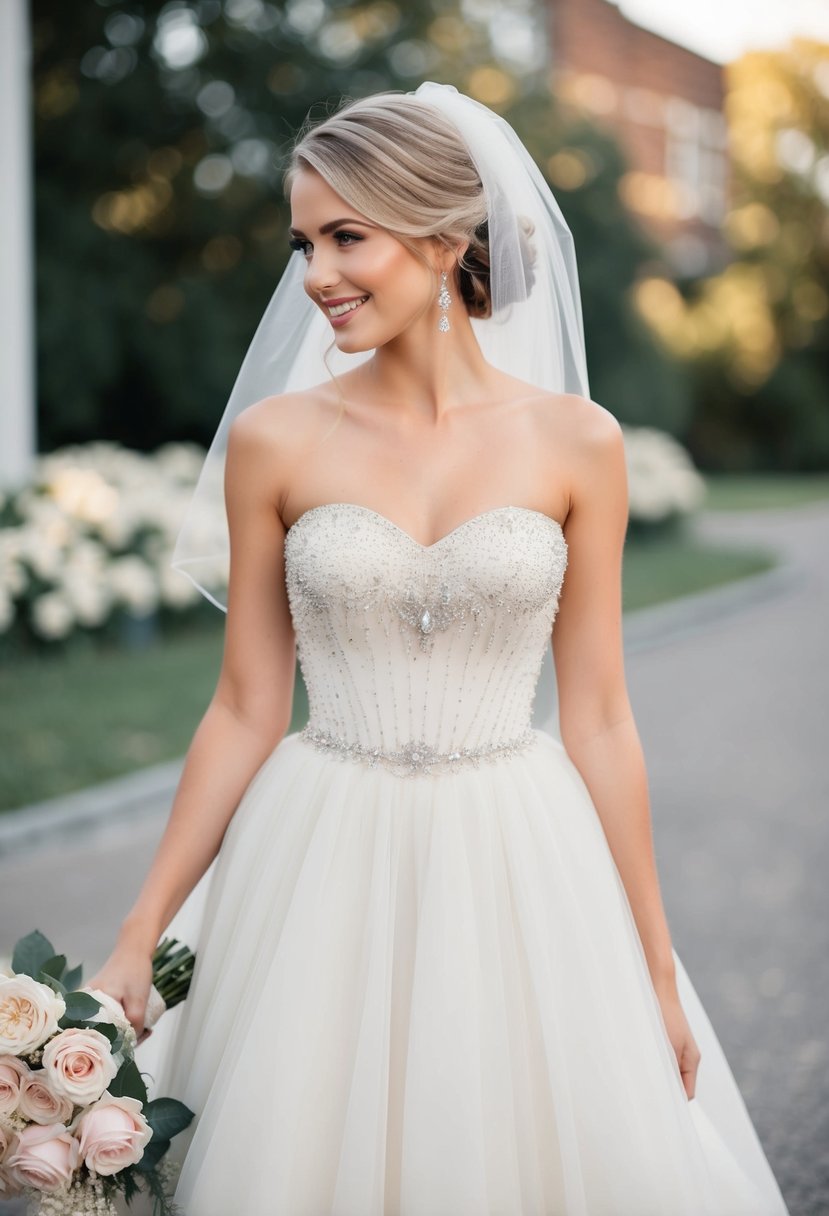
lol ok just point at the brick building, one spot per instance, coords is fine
(665, 105)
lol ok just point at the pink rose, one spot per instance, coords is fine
(78, 1064)
(37, 1101)
(112, 1134)
(12, 1072)
(43, 1157)
(29, 1013)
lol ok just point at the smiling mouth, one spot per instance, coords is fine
(339, 310)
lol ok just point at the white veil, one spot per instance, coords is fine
(535, 331)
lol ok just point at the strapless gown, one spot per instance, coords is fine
(419, 988)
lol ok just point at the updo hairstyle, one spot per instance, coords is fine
(403, 164)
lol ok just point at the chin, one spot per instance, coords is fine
(351, 344)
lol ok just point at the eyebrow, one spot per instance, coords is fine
(331, 226)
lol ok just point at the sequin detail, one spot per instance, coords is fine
(414, 758)
(422, 658)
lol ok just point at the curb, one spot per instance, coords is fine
(145, 792)
(150, 791)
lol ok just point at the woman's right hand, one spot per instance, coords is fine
(127, 976)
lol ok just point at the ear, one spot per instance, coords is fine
(447, 258)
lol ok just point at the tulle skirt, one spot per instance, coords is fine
(426, 996)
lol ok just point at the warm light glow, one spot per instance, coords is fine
(128, 210)
(491, 86)
(752, 225)
(570, 168)
(650, 194)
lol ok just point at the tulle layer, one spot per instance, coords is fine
(427, 997)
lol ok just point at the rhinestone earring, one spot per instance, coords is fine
(444, 300)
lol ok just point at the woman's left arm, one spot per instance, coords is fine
(595, 716)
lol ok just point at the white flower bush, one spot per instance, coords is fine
(663, 483)
(93, 533)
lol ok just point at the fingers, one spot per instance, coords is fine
(134, 1009)
(688, 1068)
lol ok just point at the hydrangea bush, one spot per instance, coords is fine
(90, 539)
(663, 484)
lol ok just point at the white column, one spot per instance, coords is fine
(17, 340)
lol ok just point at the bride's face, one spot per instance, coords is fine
(349, 258)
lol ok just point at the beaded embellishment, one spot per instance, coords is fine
(428, 653)
(414, 758)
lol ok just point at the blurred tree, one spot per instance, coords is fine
(756, 336)
(631, 374)
(161, 135)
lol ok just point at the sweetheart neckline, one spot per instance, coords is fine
(447, 536)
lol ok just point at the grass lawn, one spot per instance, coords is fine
(73, 720)
(750, 491)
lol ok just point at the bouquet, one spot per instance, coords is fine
(76, 1127)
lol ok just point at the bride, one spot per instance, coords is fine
(434, 974)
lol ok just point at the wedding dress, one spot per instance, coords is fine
(419, 988)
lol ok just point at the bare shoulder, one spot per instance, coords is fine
(268, 438)
(588, 433)
(579, 420)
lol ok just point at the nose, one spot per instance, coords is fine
(321, 272)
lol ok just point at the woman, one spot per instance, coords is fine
(434, 973)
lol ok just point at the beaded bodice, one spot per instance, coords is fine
(422, 658)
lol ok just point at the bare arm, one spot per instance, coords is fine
(596, 720)
(248, 714)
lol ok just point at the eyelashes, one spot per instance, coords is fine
(300, 243)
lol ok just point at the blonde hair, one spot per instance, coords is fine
(401, 163)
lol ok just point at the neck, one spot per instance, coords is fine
(422, 375)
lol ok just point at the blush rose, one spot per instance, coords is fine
(39, 1103)
(12, 1072)
(78, 1064)
(29, 1013)
(112, 1134)
(43, 1157)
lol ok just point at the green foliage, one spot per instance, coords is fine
(629, 372)
(128, 1083)
(766, 406)
(30, 953)
(80, 1006)
(167, 1117)
(149, 288)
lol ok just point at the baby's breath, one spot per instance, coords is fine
(84, 1197)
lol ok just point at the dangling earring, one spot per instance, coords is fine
(444, 300)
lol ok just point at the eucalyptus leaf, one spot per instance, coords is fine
(73, 978)
(108, 1031)
(81, 1005)
(167, 1117)
(31, 952)
(128, 1083)
(51, 982)
(53, 967)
